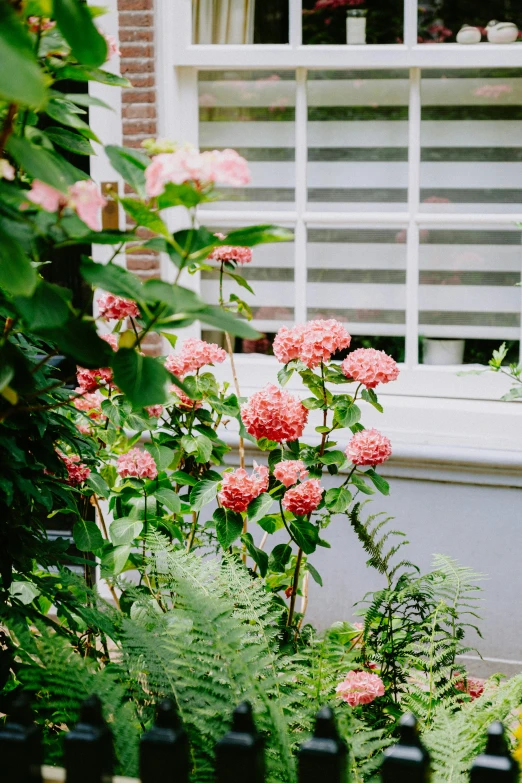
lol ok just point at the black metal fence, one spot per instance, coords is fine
(239, 756)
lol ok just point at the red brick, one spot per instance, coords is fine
(142, 263)
(138, 49)
(134, 142)
(136, 65)
(139, 111)
(135, 127)
(139, 96)
(135, 5)
(136, 19)
(140, 80)
(138, 33)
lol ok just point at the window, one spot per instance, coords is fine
(398, 165)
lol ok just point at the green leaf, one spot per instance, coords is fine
(334, 457)
(183, 479)
(98, 484)
(202, 493)
(37, 162)
(87, 536)
(274, 457)
(219, 318)
(142, 378)
(240, 281)
(204, 448)
(179, 299)
(271, 524)
(257, 235)
(358, 482)
(107, 237)
(114, 561)
(306, 535)
(171, 338)
(112, 278)
(131, 164)
(312, 403)
(84, 99)
(16, 273)
(337, 500)
(145, 216)
(125, 530)
(74, 142)
(258, 556)
(25, 592)
(79, 340)
(22, 80)
(370, 396)
(79, 73)
(284, 375)
(46, 308)
(347, 414)
(161, 455)
(378, 481)
(279, 557)
(316, 576)
(64, 112)
(260, 507)
(169, 499)
(75, 22)
(229, 525)
(226, 407)
(116, 409)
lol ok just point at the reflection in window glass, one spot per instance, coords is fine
(468, 288)
(471, 136)
(441, 20)
(239, 21)
(358, 140)
(358, 276)
(324, 21)
(254, 113)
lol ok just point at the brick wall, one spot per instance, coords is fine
(139, 118)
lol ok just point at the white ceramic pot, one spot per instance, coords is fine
(502, 32)
(469, 35)
(443, 351)
(356, 27)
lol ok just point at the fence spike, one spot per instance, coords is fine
(240, 754)
(21, 744)
(88, 746)
(164, 749)
(495, 765)
(324, 756)
(408, 760)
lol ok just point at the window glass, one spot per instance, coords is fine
(240, 21)
(353, 21)
(471, 136)
(358, 140)
(468, 288)
(441, 20)
(252, 112)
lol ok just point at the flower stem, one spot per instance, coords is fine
(193, 528)
(295, 585)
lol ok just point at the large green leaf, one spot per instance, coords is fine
(107, 237)
(260, 507)
(45, 309)
(219, 318)
(161, 455)
(87, 536)
(21, 78)
(125, 530)
(378, 481)
(202, 493)
(79, 340)
(337, 499)
(145, 216)
(79, 73)
(169, 499)
(257, 235)
(179, 299)
(113, 278)
(75, 22)
(114, 561)
(63, 111)
(37, 162)
(306, 535)
(229, 525)
(74, 142)
(259, 557)
(279, 557)
(16, 273)
(131, 164)
(141, 378)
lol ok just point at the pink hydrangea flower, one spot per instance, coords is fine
(88, 403)
(185, 402)
(47, 197)
(84, 429)
(370, 367)
(115, 308)
(360, 688)
(238, 489)
(112, 47)
(237, 253)
(86, 199)
(154, 411)
(274, 414)
(304, 498)
(136, 464)
(368, 447)
(111, 339)
(194, 355)
(36, 24)
(6, 170)
(77, 471)
(472, 686)
(90, 380)
(231, 169)
(312, 343)
(178, 365)
(288, 471)
(225, 167)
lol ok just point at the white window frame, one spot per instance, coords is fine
(178, 61)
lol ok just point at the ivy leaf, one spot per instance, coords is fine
(161, 455)
(87, 536)
(141, 378)
(229, 526)
(202, 493)
(258, 556)
(169, 499)
(306, 535)
(260, 507)
(370, 396)
(125, 530)
(75, 22)
(279, 557)
(316, 576)
(16, 273)
(347, 414)
(378, 481)
(337, 500)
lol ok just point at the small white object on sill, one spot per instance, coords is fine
(443, 352)
(502, 32)
(469, 35)
(356, 26)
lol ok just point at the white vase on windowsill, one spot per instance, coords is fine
(441, 351)
(356, 26)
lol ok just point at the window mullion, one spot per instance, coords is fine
(412, 257)
(301, 159)
(410, 22)
(295, 32)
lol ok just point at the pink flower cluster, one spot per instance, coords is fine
(274, 414)
(360, 688)
(238, 489)
(304, 498)
(368, 447)
(6, 170)
(77, 471)
(84, 197)
(194, 355)
(136, 464)
(154, 411)
(40, 24)
(237, 253)
(472, 686)
(370, 367)
(288, 471)
(115, 308)
(223, 167)
(112, 47)
(89, 403)
(312, 343)
(90, 380)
